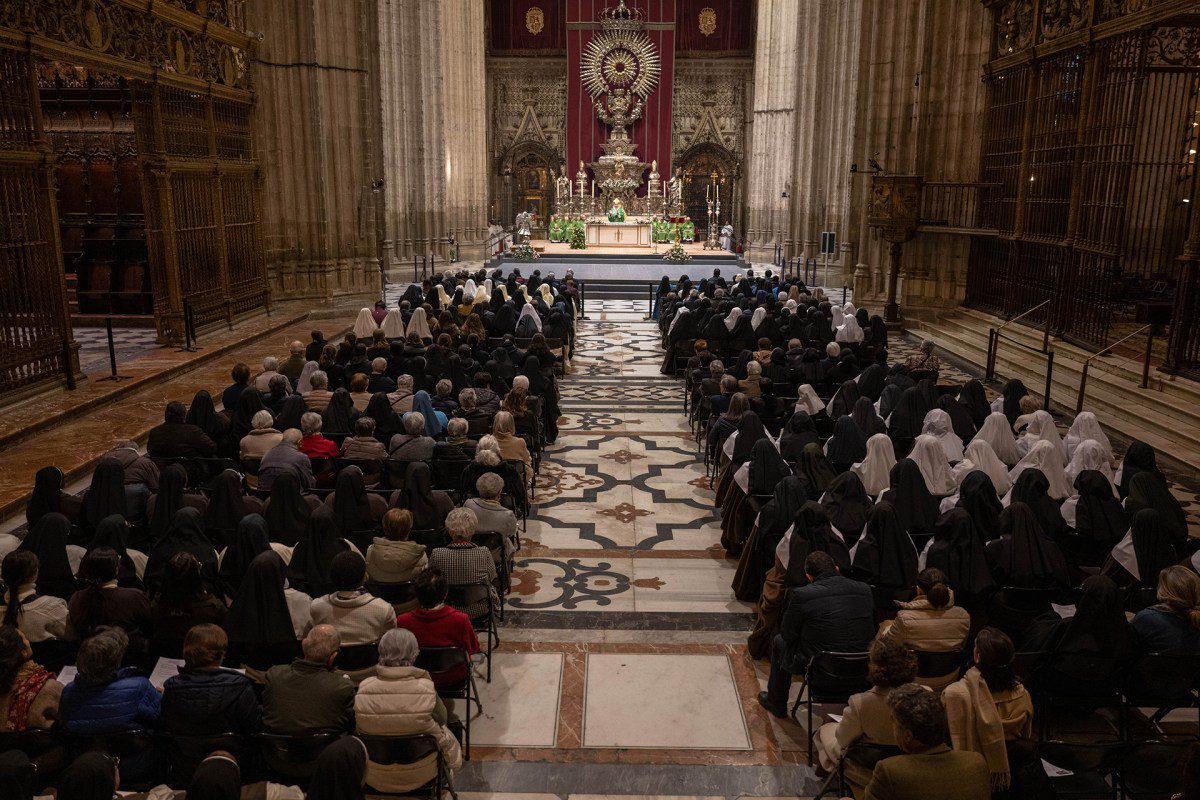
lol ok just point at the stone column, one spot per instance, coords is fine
(314, 135)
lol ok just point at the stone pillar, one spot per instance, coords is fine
(314, 134)
(432, 109)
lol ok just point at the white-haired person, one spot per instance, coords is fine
(467, 564)
(262, 437)
(270, 369)
(401, 700)
(490, 515)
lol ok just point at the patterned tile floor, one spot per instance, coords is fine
(129, 343)
(623, 667)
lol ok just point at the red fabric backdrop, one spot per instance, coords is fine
(652, 133)
(735, 27)
(509, 31)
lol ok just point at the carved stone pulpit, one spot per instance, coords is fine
(895, 212)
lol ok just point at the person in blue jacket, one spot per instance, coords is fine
(105, 699)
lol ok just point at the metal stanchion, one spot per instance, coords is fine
(112, 354)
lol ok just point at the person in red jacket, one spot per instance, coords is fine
(314, 445)
(436, 624)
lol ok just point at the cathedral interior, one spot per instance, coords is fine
(190, 184)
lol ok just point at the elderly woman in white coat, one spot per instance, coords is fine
(401, 701)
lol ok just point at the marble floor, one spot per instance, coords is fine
(623, 670)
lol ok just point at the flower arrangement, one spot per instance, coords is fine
(524, 253)
(677, 255)
(577, 238)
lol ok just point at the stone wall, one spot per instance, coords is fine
(841, 81)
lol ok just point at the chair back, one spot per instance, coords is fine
(1092, 675)
(936, 665)
(1163, 679)
(431, 538)
(492, 540)
(463, 596)
(372, 469)
(837, 675)
(185, 752)
(354, 657)
(868, 754)
(294, 756)
(54, 654)
(409, 749)
(398, 593)
(1152, 768)
(442, 660)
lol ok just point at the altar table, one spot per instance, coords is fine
(618, 234)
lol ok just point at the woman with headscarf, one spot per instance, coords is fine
(48, 541)
(1032, 488)
(797, 434)
(875, 469)
(979, 456)
(287, 511)
(1091, 455)
(737, 450)
(930, 457)
(816, 470)
(758, 475)
(973, 398)
(428, 506)
(849, 332)
(418, 323)
(960, 419)
(528, 323)
(218, 777)
(977, 496)
(866, 419)
(885, 557)
(340, 772)
(910, 496)
(203, 414)
(774, 520)
(1041, 428)
(171, 496)
(249, 540)
(1023, 556)
(889, 399)
(997, 432)
(308, 571)
(542, 385)
(435, 421)
(1144, 552)
(1139, 457)
(242, 421)
(290, 412)
(48, 497)
(262, 622)
(871, 381)
(1097, 628)
(91, 776)
(847, 446)
(106, 494)
(907, 418)
(1097, 517)
(811, 532)
(937, 424)
(1048, 459)
(1148, 490)
(113, 532)
(1083, 428)
(185, 534)
(958, 551)
(1009, 401)
(847, 505)
(340, 414)
(364, 325)
(808, 402)
(387, 422)
(226, 507)
(355, 510)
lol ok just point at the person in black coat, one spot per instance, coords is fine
(830, 613)
(206, 700)
(175, 438)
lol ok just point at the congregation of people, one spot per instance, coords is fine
(309, 552)
(943, 566)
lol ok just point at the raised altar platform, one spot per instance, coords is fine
(618, 234)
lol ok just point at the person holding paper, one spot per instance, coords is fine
(867, 717)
